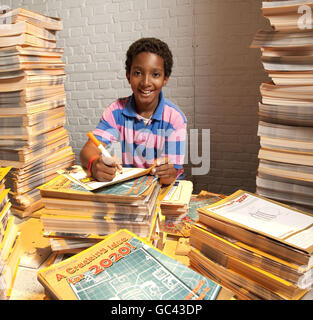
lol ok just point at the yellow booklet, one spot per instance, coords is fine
(125, 267)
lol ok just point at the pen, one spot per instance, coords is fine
(104, 151)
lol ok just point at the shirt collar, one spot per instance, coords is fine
(130, 110)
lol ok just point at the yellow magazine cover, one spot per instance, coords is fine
(3, 172)
(125, 267)
(9, 268)
(8, 239)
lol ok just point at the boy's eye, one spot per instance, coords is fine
(137, 73)
(156, 74)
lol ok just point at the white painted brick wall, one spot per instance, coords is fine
(215, 79)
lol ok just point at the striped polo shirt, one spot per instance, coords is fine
(164, 134)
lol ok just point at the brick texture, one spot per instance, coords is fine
(215, 79)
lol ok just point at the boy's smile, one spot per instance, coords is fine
(146, 79)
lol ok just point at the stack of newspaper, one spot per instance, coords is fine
(258, 248)
(32, 106)
(285, 170)
(10, 246)
(75, 216)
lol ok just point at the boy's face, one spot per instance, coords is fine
(146, 79)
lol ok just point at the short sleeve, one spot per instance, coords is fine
(107, 129)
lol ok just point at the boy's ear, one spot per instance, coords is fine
(128, 77)
(165, 81)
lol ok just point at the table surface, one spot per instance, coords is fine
(36, 254)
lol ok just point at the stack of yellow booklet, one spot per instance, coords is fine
(75, 217)
(10, 246)
(32, 106)
(174, 206)
(259, 248)
(179, 225)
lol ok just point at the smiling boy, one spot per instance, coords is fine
(150, 128)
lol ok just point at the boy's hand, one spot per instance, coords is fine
(104, 169)
(164, 170)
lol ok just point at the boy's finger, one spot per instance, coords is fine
(103, 176)
(162, 171)
(106, 169)
(113, 163)
(108, 161)
(117, 160)
(118, 164)
(161, 161)
(119, 168)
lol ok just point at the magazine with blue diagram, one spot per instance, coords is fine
(125, 267)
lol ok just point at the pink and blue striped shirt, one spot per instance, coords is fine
(164, 135)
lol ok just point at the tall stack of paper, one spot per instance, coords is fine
(32, 106)
(10, 247)
(259, 248)
(79, 217)
(286, 111)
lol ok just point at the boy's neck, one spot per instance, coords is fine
(145, 114)
(146, 111)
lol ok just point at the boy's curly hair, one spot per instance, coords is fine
(152, 45)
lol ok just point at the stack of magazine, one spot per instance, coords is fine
(125, 267)
(174, 207)
(75, 215)
(285, 170)
(179, 224)
(32, 106)
(258, 248)
(10, 245)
